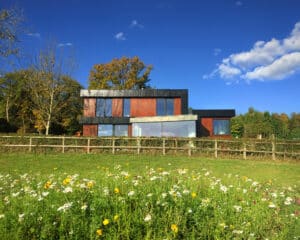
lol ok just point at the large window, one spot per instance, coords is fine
(165, 129)
(120, 130)
(126, 107)
(104, 107)
(221, 126)
(105, 130)
(164, 106)
(112, 130)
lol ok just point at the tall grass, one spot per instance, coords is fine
(154, 201)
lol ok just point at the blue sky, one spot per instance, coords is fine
(228, 53)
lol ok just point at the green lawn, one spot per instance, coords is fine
(281, 173)
(81, 196)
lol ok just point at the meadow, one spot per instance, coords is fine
(96, 196)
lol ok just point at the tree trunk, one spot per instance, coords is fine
(7, 109)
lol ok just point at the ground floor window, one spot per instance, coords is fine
(165, 129)
(112, 130)
(221, 126)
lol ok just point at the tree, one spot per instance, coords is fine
(10, 22)
(51, 89)
(124, 73)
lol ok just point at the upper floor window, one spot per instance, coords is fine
(126, 107)
(164, 106)
(221, 126)
(104, 107)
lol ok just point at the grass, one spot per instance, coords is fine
(80, 196)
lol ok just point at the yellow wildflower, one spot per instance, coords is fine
(174, 228)
(47, 184)
(90, 184)
(105, 222)
(117, 190)
(116, 217)
(99, 232)
(66, 181)
(194, 194)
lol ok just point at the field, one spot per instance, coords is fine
(93, 196)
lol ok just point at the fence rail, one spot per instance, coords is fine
(234, 148)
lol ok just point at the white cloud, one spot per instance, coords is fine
(120, 36)
(217, 51)
(279, 69)
(68, 44)
(136, 24)
(265, 61)
(36, 35)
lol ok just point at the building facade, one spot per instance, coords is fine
(148, 112)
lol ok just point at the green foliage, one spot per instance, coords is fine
(123, 73)
(255, 123)
(55, 197)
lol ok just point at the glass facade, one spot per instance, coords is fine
(120, 130)
(104, 107)
(165, 129)
(126, 107)
(112, 130)
(221, 126)
(105, 130)
(164, 106)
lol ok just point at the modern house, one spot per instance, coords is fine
(149, 112)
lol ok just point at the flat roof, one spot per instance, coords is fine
(147, 92)
(214, 112)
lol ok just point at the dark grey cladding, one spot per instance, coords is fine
(210, 113)
(104, 120)
(142, 93)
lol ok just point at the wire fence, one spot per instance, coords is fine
(217, 148)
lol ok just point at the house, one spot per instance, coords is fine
(149, 112)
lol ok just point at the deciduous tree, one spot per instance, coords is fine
(123, 73)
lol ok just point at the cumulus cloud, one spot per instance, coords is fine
(35, 35)
(217, 51)
(68, 44)
(120, 36)
(265, 61)
(136, 24)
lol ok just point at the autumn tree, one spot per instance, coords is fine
(50, 88)
(10, 26)
(123, 73)
(15, 99)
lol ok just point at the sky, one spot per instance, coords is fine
(229, 54)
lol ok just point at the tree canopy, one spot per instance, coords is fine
(123, 73)
(254, 123)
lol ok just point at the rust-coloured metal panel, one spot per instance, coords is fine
(130, 130)
(89, 107)
(177, 106)
(90, 130)
(117, 107)
(207, 127)
(142, 107)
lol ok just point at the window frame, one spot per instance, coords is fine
(226, 133)
(164, 106)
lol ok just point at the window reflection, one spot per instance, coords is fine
(104, 107)
(165, 129)
(221, 126)
(164, 106)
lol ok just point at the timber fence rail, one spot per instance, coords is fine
(217, 148)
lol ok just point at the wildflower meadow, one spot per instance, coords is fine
(125, 198)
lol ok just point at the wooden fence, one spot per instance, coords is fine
(234, 148)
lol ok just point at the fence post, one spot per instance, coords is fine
(30, 144)
(273, 149)
(88, 145)
(164, 146)
(63, 144)
(113, 145)
(138, 144)
(244, 151)
(190, 148)
(216, 148)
